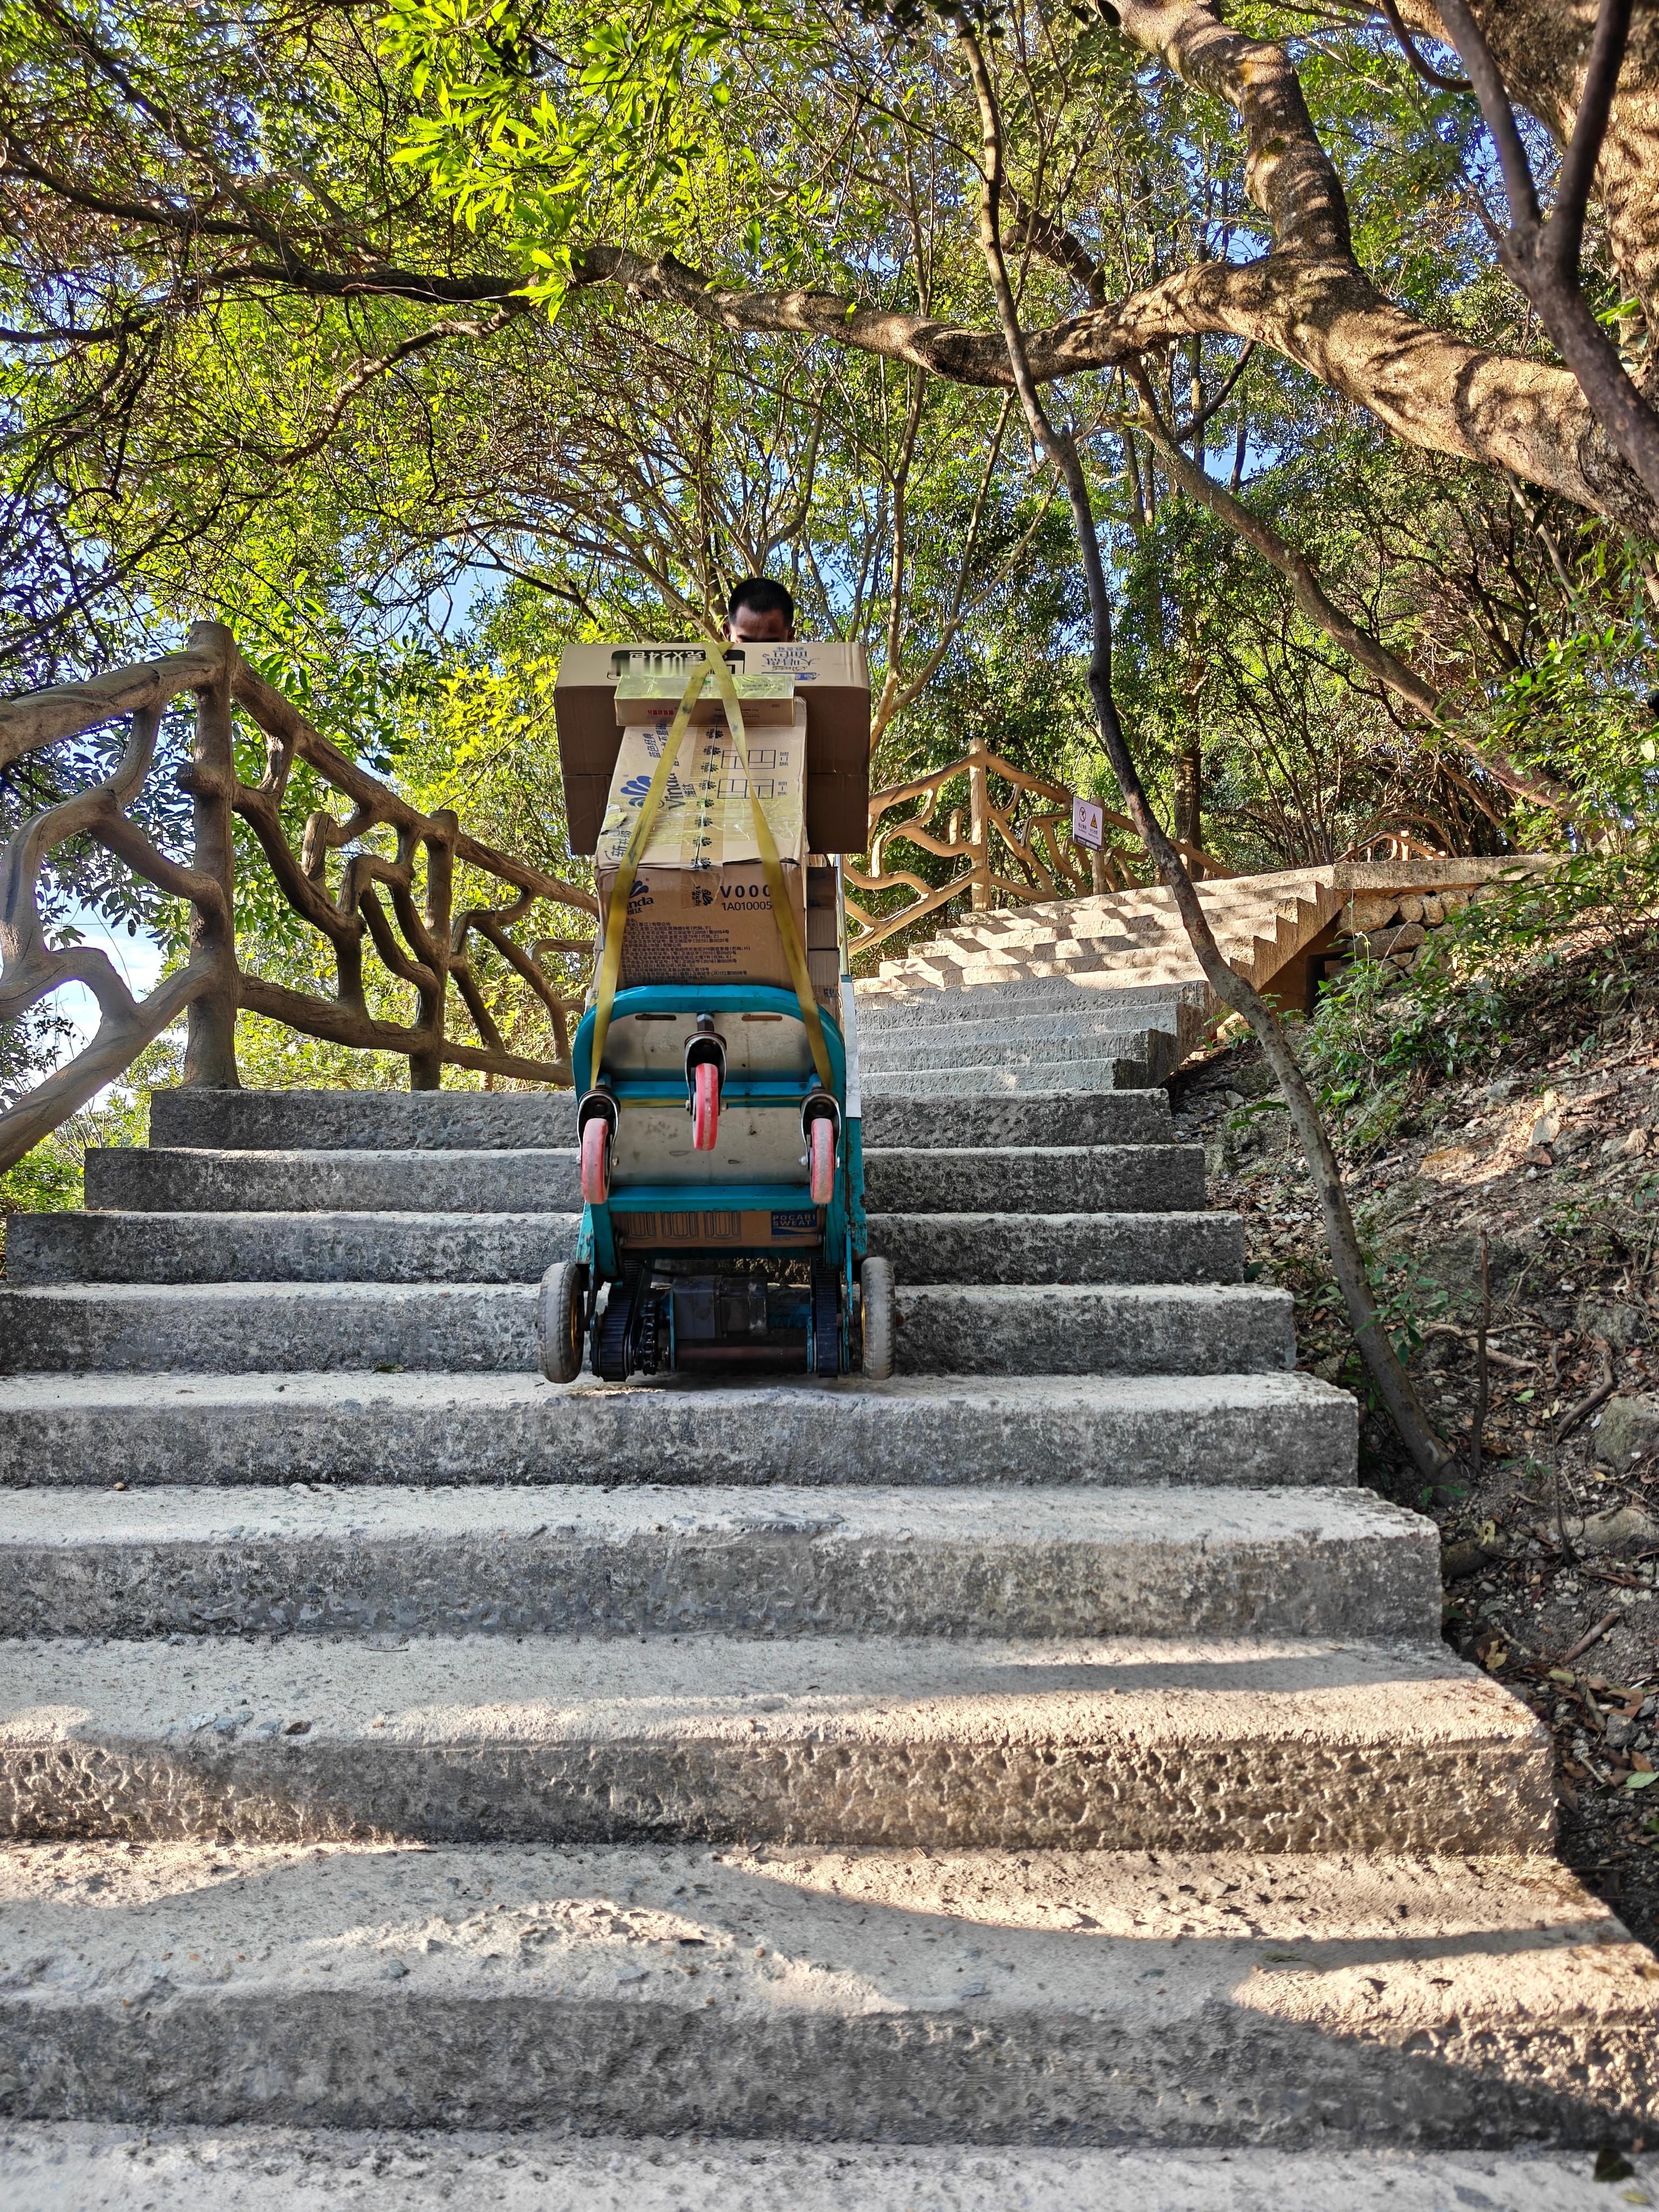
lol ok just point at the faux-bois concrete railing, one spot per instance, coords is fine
(416, 934)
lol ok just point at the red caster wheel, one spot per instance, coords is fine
(705, 1105)
(596, 1161)
(821, 1144)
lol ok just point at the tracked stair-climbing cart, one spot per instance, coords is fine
(719, 1119)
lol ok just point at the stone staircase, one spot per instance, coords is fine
(1106, 991)
(1052, 1747)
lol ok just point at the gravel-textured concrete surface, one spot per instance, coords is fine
(780, 1562)
(461, 1120)
(972, 1997)
(287, 1247)
(1011, 1045)
(332, 1182)
(1251, 1430)
(94, 2167)
(1059, 1247)
(1093, 1328)
(1014, 1179)
(1060, 1116)
(882, 1012)
(282, 1327)
(1121, 1744)
(1153, 1065)
(363, 1121)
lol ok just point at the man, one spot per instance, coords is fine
(760, 612)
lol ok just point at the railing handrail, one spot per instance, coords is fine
(426, 948)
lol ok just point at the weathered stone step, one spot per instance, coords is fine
(1093, 1328)
(884, 1005)
(995, 1081)
(1064, 1116)
(287, 1247)
(48, 2166)
(1101, 1178)
(1239, 1430)
(1013, 1179)
(503, 1248)
(1060, 1248)
(504, 1121)
(1007, 1047)
(657, 1561)
(1109, 1744)
(355, 1327)
(965, 1997)
(158, 1181)
(1001, 1015)
(363, 1121)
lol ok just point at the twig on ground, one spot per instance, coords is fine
(1599, 1396)
(1482, 1376)
(1593, 1636)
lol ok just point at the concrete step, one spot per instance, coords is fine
(1076, 1178)
(363, 1121)
(48, 2166)
(1013, 1179)
(500, 1247)
(1093, 1328)
(1004, 1046)
(987, 1015)
(961, 1998)
(882, 1006)
(223, 1329)
(1112, 1744)
(650, 1561)
(993, 1081)
(287, 1247)
(1060, 1248)
(277, 1327)
(159, 1181)
(1062, 1116)
(504, 1121)
(1245, 1431)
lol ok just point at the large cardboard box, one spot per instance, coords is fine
(700, 911)
(834, 679)
(706, 818)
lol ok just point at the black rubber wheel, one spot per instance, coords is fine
(562, 1315)
(876, 1281)
(826, 1322)
(616, 1345)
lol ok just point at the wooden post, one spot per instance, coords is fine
(426, 1069)
(210, 1049)
(979, 827)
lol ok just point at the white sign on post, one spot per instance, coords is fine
(1088, 822)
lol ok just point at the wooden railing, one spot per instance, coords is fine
(1010, 853)
(415, 931)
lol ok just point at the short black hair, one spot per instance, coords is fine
(764, 597)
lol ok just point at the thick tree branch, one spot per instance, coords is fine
(1394, 1384)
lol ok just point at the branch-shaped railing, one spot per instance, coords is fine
(1012, 852)
(414, 929)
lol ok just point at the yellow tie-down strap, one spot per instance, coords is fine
(622, 890)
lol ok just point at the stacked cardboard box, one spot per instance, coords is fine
(700, 911)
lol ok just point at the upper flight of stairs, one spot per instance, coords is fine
(1107, 991)
(1053, 1745)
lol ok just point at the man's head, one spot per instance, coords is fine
(760, 612)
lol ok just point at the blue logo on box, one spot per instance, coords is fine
(794, 1218)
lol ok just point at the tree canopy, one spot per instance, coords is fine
(415, 339)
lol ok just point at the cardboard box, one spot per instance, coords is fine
(834, 679)
(704, 926)
(646, 696)
(706, 818)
